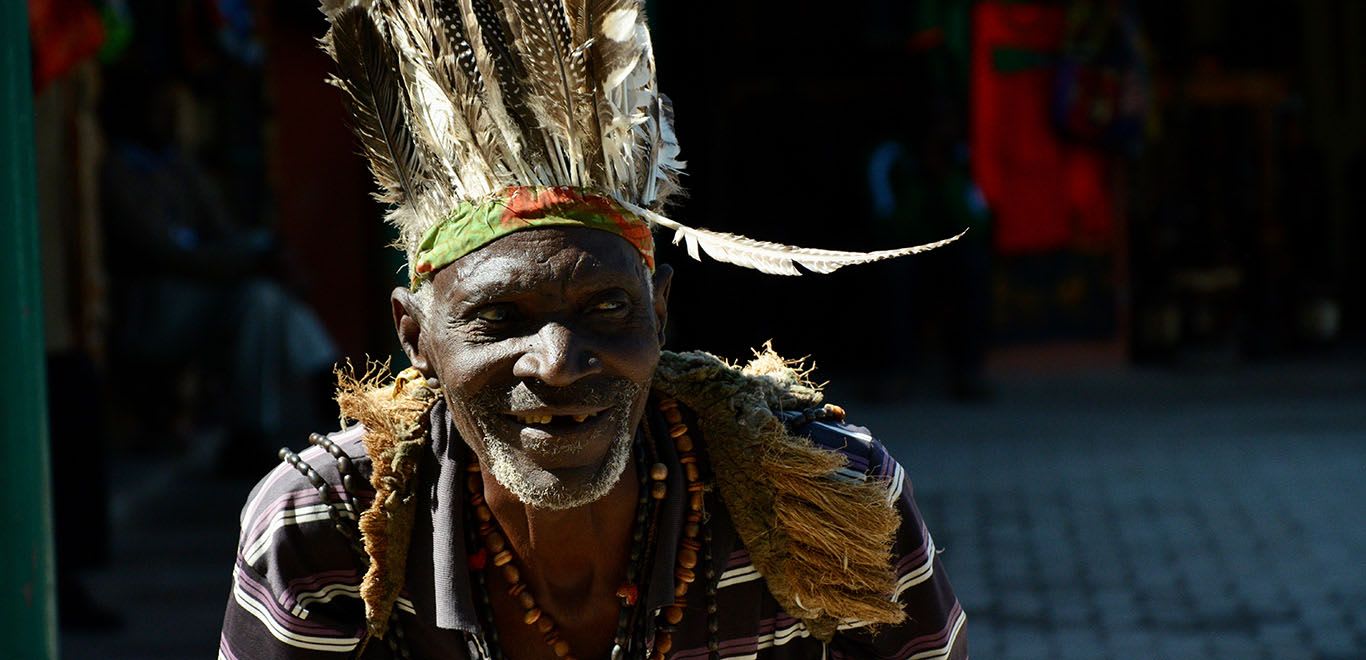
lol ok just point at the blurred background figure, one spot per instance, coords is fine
(196, 286)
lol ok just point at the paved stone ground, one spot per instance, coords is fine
(1126, 515)
(1152, 514)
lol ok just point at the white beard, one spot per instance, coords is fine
(539, 488)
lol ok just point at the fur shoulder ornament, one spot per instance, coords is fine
(823, 545)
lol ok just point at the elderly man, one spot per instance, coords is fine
(545, 481)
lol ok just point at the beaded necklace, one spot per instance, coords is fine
(492, 545)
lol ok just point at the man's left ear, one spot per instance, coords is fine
(663, 279)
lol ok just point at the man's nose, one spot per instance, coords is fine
(557, 356)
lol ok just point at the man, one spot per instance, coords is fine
(545, 481)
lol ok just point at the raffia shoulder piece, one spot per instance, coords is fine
(823, 545)
(394, 413)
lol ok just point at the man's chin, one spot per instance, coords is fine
(555, 487)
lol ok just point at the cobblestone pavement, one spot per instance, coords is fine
(1128, 515)
(1151, 514)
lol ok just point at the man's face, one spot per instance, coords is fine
(546, 342)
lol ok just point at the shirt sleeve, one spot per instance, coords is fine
(936, 626)
(296, 580)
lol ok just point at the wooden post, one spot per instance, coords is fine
(27, 601)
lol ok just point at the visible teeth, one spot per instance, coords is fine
(546, 419)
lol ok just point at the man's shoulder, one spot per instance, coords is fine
(296, 583)
(311, 498)
(866, 456)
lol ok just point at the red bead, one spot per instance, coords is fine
(629, 594)
(478, 559)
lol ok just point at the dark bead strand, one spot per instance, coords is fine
(345, 468)
(659, 474)
(641, 618)
(325, 494)
(492, 648)
(630, 592)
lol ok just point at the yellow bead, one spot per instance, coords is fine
(687, 558)
(673, 614)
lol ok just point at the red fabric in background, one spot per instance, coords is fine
(64, 33)
(1046, 194)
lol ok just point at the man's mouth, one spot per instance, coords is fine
(552, 419)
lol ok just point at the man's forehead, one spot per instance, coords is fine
(545, 257)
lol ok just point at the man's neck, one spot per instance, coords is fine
(574, 558)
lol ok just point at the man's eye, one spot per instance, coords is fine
(493, 314)
(610, 306)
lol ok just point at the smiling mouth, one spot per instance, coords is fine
(552, 421)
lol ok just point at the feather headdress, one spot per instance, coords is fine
(481, 117)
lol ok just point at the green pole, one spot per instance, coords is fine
(27, 601)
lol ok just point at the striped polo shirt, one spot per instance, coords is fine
(296, 584)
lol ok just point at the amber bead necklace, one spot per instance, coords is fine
(492, 546)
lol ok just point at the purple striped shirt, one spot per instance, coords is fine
(296, 590)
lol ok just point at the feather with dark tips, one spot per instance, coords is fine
(606, 56)
(367, 73)
(448, 109)
(508, 70)
(557, 77)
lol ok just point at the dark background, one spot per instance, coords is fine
(1180, 351)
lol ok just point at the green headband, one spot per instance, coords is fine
(472, 225)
